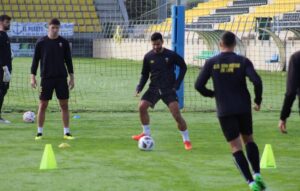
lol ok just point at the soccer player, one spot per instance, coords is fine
(293, 86)
(5, 61)
(56, 63)
(229, 71)
(159, 64)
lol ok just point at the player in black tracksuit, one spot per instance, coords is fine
(53, 51)
(292, 87)
(159, 64)
(5, 60)
(229, 71)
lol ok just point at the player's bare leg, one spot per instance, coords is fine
(41, 118)
(64, 106)
(181, 124)
(145, 119)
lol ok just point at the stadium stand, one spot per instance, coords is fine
(80, 12)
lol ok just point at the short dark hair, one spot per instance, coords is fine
(156, 36)
(229, 39)
(54, 21)
(5, 17)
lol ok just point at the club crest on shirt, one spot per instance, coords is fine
(167, 60)
(151, 61)
(60, 44)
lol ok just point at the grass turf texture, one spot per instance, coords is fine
(103, 157)
(109, 85)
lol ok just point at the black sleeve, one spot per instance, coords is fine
(291, 88)
(68, 58)
(2, 56)
(202, 79)
(179, 61)
(256, 80)
(144, 75)
(36, 58)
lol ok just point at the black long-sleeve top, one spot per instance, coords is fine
(5, 52)
(292, 85)
(229, 72)
(55, 57)
(161, 69)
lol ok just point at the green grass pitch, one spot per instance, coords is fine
(104, 158)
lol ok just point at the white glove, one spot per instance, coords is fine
(6, 74)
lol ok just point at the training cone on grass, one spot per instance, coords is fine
(48, 160)
(64, 146)
(268, 159)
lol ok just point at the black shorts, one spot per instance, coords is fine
(60, 85)
(153, 96)
(4, 86)
(234, 125)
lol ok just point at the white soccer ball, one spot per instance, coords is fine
(146, 143)
(29, 117)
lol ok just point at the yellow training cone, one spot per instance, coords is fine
(268, 159)
(64, 145)
(48, 159)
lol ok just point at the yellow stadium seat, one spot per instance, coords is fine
(63, 15)
(24, 14)
(30, 8)
(90, 29)
(52, 2)
(78, 15)
(83, 8)
(22, 8)
(6, 7)
(34, 20)
(45, 7)
(5, 2)
(89, 2)
(36, 2)
(91, 8)
(47, 14)
(88, 21)
(54, 7)
(43, 2)
(61, 8)
(80, 21)
(69, 8)
(55, 14)
(32, 14)
(86, 15)
(39, 14)
(70, 15)
(76, 8)
(37, 7)
(82, 2)
(95, 22)
(93, 14)
(15, 8)
(13, 1)
(67, 2)
(16, 14)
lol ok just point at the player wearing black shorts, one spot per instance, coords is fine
(292, 87)
(5, 61)
(160, 64)
(56, 63)
(229, 71)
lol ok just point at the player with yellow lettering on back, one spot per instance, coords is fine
(229, 71)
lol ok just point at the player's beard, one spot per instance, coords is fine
(6, 28)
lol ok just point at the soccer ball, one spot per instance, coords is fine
(146, 143)
(28, 117)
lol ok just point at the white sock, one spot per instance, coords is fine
(256, 175)
(66, 130)
(251, 183)
(146, 129)
(40, 129)
(185, 135)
